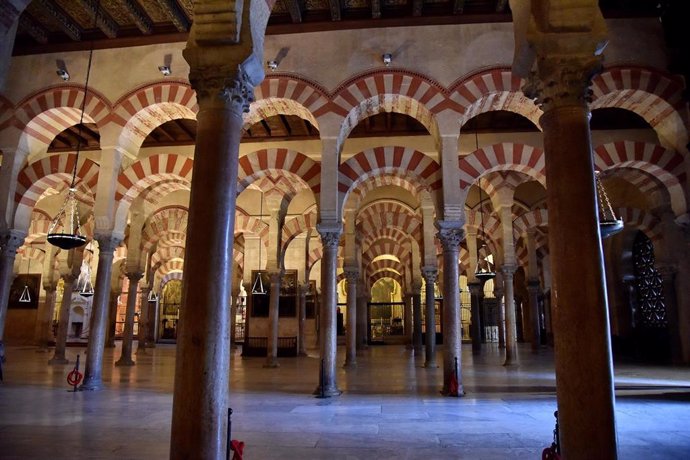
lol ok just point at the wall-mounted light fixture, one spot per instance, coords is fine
(273, 65)
(387, 59)
(165, 70)
(62, 73)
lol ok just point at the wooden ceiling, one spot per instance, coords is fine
(65, 25)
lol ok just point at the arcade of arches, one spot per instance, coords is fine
(347, 202)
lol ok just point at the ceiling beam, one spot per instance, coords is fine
(104, 22)
(176, 15)
(501, 5)
(295, 10)
(163, 130)
(184, 129)
(458, 6)
(138, 15)
(286, 124)
(417, 6)
(335, 9)
(33, 28)
(375, 9)
(68, 26)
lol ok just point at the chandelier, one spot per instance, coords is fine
(609, 224)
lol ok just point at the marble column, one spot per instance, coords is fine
(128, 334)
(477, 294)
(63, 319)
(93, 370)
(584, 370)
(430, 274)
(417, 317)
(500, 310)
(330, 238)
(509, 303)
(362, 317)
(273, 316)
(533, 289)
(200, 397)
(112, 320)
(152, 308)
(407, 320)
(451, 235)
(11, 240)
(351, 275)
(142, 333)
(44, 318)
(302, 318)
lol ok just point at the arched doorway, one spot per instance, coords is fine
(386, 312)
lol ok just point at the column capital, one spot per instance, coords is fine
(330, 234)
(134, 276)
(70, 277)
(562, 81)
(351, 274)
(430, 274)
(11, 240)
(451, 234)
(475, 287)
(225, 84)
(533, 284)
(275, 276)
(107, 243)
(508, 270)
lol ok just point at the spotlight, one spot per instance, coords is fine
(273, 65)
(62, 73)
(387, 59)
(165, 70)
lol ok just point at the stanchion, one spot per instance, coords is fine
(237, 447)
(74, 377)
(322, 390)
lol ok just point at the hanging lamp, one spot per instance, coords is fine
(64, 231)
(258, 284)
(482, 273)
(85, 288)
(609, 224)
(153, 297)
(26, 293)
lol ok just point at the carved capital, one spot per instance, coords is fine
(451, 238)
(107, 244)
(562, 81)
(11, 240)
(229, 86)
(275, 276)
(430, 274)
(533, 286)
(134, 276)
(351, 275)
(330, 235)
(475, 288)
(508, 270)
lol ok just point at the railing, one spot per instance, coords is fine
(256, 346)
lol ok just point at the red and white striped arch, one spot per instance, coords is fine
(54, 172)
(166, 253)
(662, 165)
(386, 233)
(245, 223)
(382, 215)
(498, 180)
(301, 93)
(175, 275)
(144, 109)
(172, 265)
(30, 252)
(269, 107)
(315, 254)
(282, 162)
(386, 274)
(530, 220)
(654, 95)
(163, 222)
(641, 220)
(492, 226)
(296, 226)
(502, 157)
(424, 172)
(44, 115)
(386, 247)
(491, 90)
(40, 224)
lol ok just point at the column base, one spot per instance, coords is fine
(150, 345)
(460, 393)
(271, 363)
(350, 364)
(58, 360)
(141, 351)
(430, 364)
(124, 362)
(42, 350)
(110, 345)
(302, 354)
(95, 385)
(328, 392)
(510, 363)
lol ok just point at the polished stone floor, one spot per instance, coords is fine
(390, 409)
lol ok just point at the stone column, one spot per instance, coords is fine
(584, 371)
(151, 327)
(362, 317)
(430, 274)
(200, 397)
(93, 370)
(451, 235)
(330, 238)
(533, 289)
(417, 317)
(407, 320)
(668, 285)
(11, 240)
(509, 302)
(112, 319)
(128, 335)
(476, 302)
(351, 275)
(302, 318)
(273, 317)
(63, 320)
(500, 309)
(143, 320)
(44, 318)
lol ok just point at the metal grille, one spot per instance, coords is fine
(651, 310)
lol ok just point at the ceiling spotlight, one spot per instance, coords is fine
(165, 70)
(273, 65)
(387, 59)
(62, 73)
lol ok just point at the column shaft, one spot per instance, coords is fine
(362, 319)
(112, 320)
(63, 321)
(430, 275)
(407, 320)
(533, 290)
(511, 329)
(417, 319)
(476, 328)
(143, 320)
(44, 319)
(11, 241)
(351, 337)
(273, 305)
(128, 335)
(93, 370)
(584, 373)
(302, 318)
